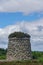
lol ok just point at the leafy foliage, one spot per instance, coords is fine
(2, 53)
(37, 55)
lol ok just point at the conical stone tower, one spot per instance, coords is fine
(19, 47)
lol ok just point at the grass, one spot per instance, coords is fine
(2, 57)
(21, 63)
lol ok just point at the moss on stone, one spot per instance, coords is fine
(19, 35)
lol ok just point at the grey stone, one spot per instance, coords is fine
(19, 49)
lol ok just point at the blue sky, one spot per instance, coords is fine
(22, 15)
(12, 17)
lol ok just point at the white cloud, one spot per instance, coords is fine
(25, 6)
(35, 29)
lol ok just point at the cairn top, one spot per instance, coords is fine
(19, 35)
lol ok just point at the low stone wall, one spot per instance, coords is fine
(19, 49)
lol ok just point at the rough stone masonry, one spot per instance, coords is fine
(19, 47)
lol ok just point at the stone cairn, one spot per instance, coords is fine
(19, 47)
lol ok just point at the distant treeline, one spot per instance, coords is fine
(35, 54)
(2, 51)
